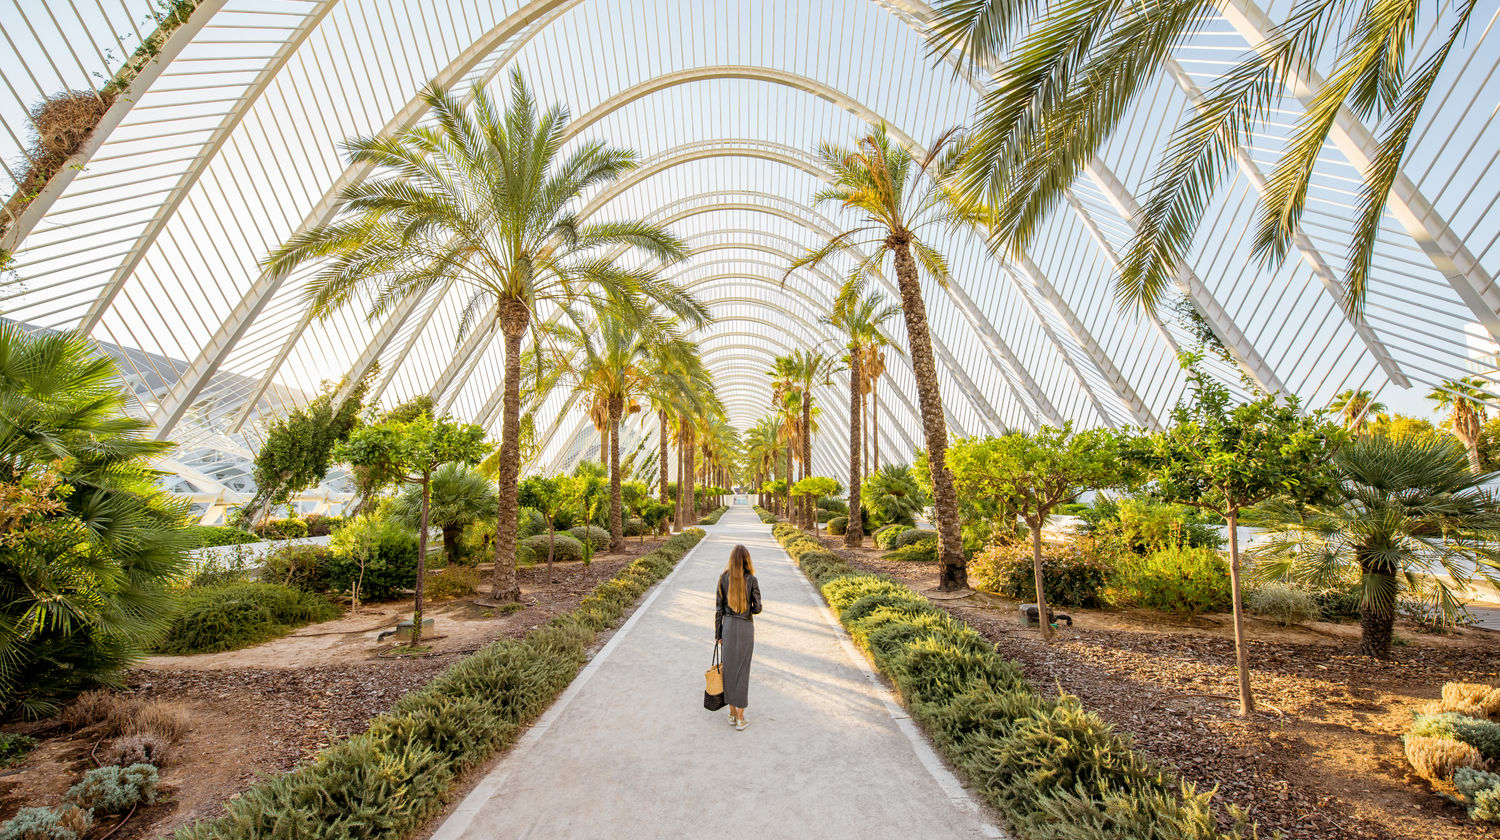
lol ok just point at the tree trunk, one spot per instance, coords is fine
(692, 456)
(1377, 609)
(1043, 619)
(551, 548)
(451, 536)
(604, 446)
(514, 319)
(854, 536)
(1241, 651)
(616, 501)
(875, 424)
(662, 417)
(954, 574)
(416, 613)
(809, 519)
(787, 501)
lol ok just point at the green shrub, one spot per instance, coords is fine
(596, 537)
(1075, 573)
(213, 536)
(221, 618)
(834, 504)
(1341, 602)
(1482, 735)
(299, 566)
(115, 790)
(1185, 581)
(825, 515)
(838, 525)
(14, 747)
(319, 525)
(921, 551)
(913, 536)
(529, 523)
(390, 559)
(65, 822)
(290, 528)
(886, 533)
(1480, 793)
(766, 517)
(634, 527)
(221, 568)
(452, 582)
(713, 517)
(1282, 604)
(568, 549)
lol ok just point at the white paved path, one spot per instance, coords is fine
(629, 751)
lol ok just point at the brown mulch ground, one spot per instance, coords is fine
(1321, 759)
(264, 709)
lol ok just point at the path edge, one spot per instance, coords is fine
(489, 787)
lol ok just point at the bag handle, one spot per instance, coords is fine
(716, 655)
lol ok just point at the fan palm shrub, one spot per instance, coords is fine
(1404, 508)
(460, 497)
(486, 198)
(893, 496)
(89, 545)
(898, 200)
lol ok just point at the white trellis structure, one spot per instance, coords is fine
(229, 141)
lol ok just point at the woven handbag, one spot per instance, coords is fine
(713, 678)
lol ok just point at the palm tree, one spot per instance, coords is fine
(859, 316)
(1356, 407)
(760, 448)
(897, 201)
(1405, 507)
(812, 369)
(784, 400)
(487, 200)
(678, 382)
(90, 546)
(460, 496)
(1072, 70)
(1465, 401)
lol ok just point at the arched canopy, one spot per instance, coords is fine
(151, 238)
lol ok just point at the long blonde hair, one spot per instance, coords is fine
(739, 566)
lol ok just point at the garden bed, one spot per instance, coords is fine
(1322, 760)
(264, 709)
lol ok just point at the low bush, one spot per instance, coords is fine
(921, 551)
(290, 528)
(1486, 698)
(529, 523)
(232, 564)
(1451, 742)
(387, 781)
(766, 516)
(1480, 793)
(452, 582)
(634, 527)
(825, 515)
(1340, 603)
(299, 566)
(567, 549)
(712, 518)
(1436, 759)
(1183, 581)
(596, 537)
(115, 790)
(912, 537)
(64, 822)
(14, 747)
(377, 555)
(834, 504)
(1282, 604)
(222, 618)
(319, 525)
(1481, 734)
(159, 718)
(213, 536)
(838, 525)
(1075, 573)
(1054, 769)
(886, 533)
(139, 748)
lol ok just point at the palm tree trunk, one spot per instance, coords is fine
(874, 425)
(787, 501)
(662, 418)
(691, 505)
(1377, 610)
(1241, 644)
(854, 532)
(810, 520)
(616, 513)
(1043, 619)
(954, 573)
(514, 319)
(416, 613)
(451, 536)
(604, 445)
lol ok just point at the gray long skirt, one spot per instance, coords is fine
(739, 645)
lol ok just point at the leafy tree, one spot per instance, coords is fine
(1034, 474)
(89, 544)
(899, 200)
(460, 497)
(813, 488)
(416, 450)
(299, 446)
(1224, 458)
(546, 496)
(486, 197)
(1403, 508)
(893, 496)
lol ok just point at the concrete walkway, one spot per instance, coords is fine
(629, 751)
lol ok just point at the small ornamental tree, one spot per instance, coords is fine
(1036, 473)
(545, 495)
(1223, 458)
(299, 447)
(813, 488)
(416, 449)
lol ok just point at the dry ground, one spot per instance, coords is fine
(262, 710)
(1322, 759)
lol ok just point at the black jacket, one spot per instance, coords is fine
(721, 608)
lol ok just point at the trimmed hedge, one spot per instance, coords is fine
(766, 516)
(885, 533)
(567, 548)
(596, 537)
(213, 536)
(712, 518)
(911, 537)
(387, 781)
(838, 525)
(1052, 768)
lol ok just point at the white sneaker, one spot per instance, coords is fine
(732, 721)
(740, 727)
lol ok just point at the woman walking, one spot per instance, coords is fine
(734, 628)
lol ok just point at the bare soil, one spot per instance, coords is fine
(265, 709)
(1322, 757)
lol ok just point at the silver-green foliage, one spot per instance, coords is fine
(115, 790)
